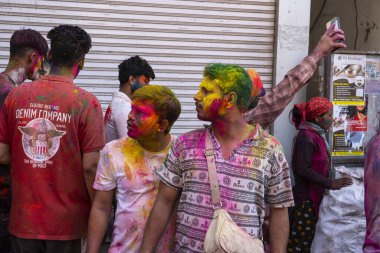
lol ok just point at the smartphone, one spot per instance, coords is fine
(335, 21)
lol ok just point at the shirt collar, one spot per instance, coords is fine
(62, 79)
(119, 94)
(255, 135)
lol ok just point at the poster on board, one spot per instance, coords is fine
(349, 128)
(348, 78)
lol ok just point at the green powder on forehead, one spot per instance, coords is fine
(231, 78)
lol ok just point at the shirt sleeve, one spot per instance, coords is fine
(170, 171)
(120, 116)
(272, 105)
(105, 179)
(303, 152)
(372, 198)
(278, 192)
(91, 127)
(4, 133)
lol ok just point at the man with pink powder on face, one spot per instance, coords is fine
(27, 50)
(127, 168)
(251, 168)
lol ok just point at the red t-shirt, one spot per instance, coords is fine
(49, 124)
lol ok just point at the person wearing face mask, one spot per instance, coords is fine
(51, 131)
(27, 50)
(134, 73)
(310, 164)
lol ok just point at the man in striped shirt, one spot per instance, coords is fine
(251, 167)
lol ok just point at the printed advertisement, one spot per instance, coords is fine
(348, 79)
(349, 128)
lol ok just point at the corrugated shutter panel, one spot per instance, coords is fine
(177, 37)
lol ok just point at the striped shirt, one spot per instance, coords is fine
(272, 105)
(256, 174)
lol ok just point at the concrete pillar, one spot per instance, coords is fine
(292, 46)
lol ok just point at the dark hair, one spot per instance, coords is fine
(352, 111)
(69, 44)
(134, 66)
(295, 116)
(26, 39)
(165, 103)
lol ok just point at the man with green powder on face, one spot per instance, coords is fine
(252, 171)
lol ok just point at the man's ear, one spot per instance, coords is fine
(163, 125)
(32, 57)
(130, 79)
(230, 99)
(81, 64)
(48, 56)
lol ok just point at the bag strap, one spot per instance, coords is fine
(212, 175)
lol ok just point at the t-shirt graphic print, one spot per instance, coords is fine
(40, 139)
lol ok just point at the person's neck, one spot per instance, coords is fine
(126, 89)
(155, 143)
(62, 71)
(361, 116)
(230, 127)
(16, 71)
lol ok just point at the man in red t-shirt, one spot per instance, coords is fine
(51, 131)
(27, 50)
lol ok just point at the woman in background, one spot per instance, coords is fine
(310, 164)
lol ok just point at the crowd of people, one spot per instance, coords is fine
(66, 169)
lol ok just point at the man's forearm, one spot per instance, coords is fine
(97, 227)
(90, 164)
(278, 229)
(158, 219)
(89, 177)
(5, 155)
(272, 105)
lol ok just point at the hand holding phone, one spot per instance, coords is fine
(335, 21)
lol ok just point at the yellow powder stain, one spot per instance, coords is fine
(133, 155)
(127, 170)
(213, 86)
(148, 207)
(76, 91)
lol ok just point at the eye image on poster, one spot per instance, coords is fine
(348, 79)
(349, 128)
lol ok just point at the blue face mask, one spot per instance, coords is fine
(136, 85)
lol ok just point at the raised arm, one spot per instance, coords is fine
(271, 106)
(159, 217)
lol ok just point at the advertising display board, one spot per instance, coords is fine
(351, 76)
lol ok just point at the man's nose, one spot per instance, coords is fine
(197, 96)
(130, 116)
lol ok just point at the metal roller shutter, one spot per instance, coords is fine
(177, 37)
